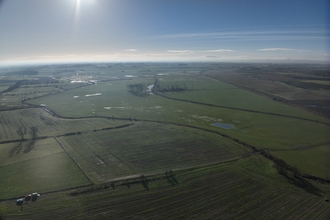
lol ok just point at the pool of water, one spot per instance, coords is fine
(222, 125)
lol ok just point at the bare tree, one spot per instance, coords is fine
(20, 132)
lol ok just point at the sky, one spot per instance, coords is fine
(48, 31)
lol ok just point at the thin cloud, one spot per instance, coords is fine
(216, 51)
(240, 33)
(131, 50)
(281, 49)
(199, 51)
(250, 35)
(212, 56)
(180, 51)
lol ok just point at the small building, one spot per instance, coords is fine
(20, 201)
(35, 196)
(28, 197)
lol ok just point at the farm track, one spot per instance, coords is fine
(303, 148)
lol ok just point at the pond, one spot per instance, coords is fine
(222, 125)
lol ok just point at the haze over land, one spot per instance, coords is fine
(164, 109)
(37, 31)
(165, 140)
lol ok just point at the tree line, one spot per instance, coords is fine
(136, 89)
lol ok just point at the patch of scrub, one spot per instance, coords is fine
(96, 94)
(206, 118)
(76, 96)
(223, 125)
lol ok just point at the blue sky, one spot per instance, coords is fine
(163, 30)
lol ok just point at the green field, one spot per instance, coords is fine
(146, 147)
(261, 130)
(45, 167)
(249, 188)
(230, 96)
(205, 143)
(47, 125)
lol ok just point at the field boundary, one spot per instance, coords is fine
(241, 109)
(73, 160)
(267, 95)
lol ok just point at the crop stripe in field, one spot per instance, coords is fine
(82, 148)
(196, 207)
(274, 214)
(208, 187)
(265, 204)
(221, 192)
(289, 212)
(309, 210)
(322, 211)
(285, 209)
(82, 164)
(325, 214)
(260, 200)
(215, 185)
(209, 201)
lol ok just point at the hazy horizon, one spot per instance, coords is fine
(66, 31)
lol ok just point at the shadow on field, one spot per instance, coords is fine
(29, 145)
(16, 149)
(144, 182)
(305, 185)
(171, 180)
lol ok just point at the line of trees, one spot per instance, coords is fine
(174, 88)
(135, 88)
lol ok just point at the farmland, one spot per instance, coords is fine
(254, 123)
(45, 167)
(234, 190)
(46, 124)
(207, 140)
(146, 147)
